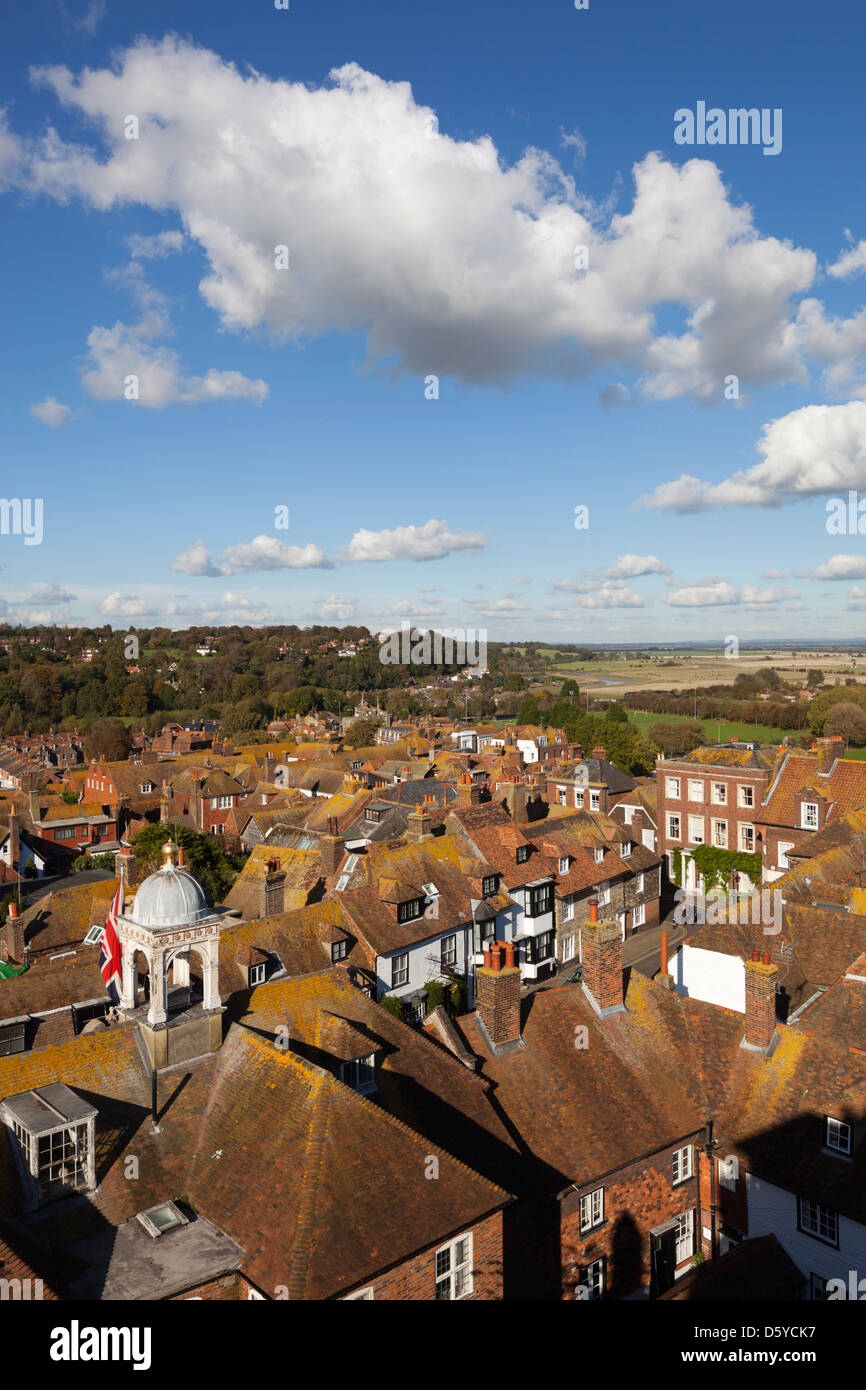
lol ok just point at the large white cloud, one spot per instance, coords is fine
(810, 452)
(428, 542)
(447, 257)
(267, 553)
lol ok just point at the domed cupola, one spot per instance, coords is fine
(169, 898)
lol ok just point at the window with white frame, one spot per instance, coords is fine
(563, 863)
(817, 1221)
(639, 915)
(592, 1279)
(720, 794)
(214, 802)
(728, 1170)
(673, 827)
(747, 796)
(226, 803)
(626, 849)
(578, 799)
(681, 1164)
(747, 839)
(809, 819)
(561, 795)
(696, 789)
(628, 814)
(454, 1269)
(641, 883)
(594, 801)
(339, 950)
(603, 894)
(598, 854)
(685, 1246)
(838, 1136)
(784, 846)
(672, 787)
(400, 970)
(696, 830)
(257, 973)
(592, 1210)
(568, 909)
(720, 834)
(568, 948)
(449, 951)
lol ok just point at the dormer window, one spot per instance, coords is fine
(598, 853)
(626, 849)
(407, 912)
(53, 1138)
(490, 885)
(594, 801)
(563, 864)
(257, 973)
(339, 950)
(146, 787)
(522, 853)
(809, 818)
(360, 1074)
(838, 1136)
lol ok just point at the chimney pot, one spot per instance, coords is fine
(593, 909)
(13, 910)
(663, 967)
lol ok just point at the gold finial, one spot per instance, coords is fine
(168, 855)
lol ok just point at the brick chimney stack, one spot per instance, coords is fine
(12, 937)
(497, 996)
(664, 977)
(468, 793)
(829, 749)
(761, 976)
(126, 864)
(270, 767)
(516, 796)
(600, 753)
(602, 964)
(418, 824)
(331, 848)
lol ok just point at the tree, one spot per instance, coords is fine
(109, 738)
(204, 856)
(529, 713)
(814, 678)
(361, 733)
(674, 739)
(837, 694)
(570, 690)
(848, 721)
(615, 714)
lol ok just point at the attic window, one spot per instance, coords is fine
(372, 814)
(146, 787)
(490, 885)
(522, 853)
(258, 973)
(563, 864)
(360, 1074)
(407, 912)
(626, 849)
(599, 855)
(158, 1221)
(810, 815)
(339, 950)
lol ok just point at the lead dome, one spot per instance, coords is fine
(171, 897)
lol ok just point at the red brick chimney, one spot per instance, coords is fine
(418, 824)
(12, 937)
(468, 793)
(829, 749)
(761, 978)
(497, 996)
(125, 863)
(602, 964)
(331, 848)
(600, 753)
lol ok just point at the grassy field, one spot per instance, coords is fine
(721, 730)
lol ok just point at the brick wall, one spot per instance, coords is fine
(228, 1288)
(415, 1279)
(637, 1198)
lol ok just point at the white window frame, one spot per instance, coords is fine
(562, 864)
(457, 1271)
(639, 915)
(257, 973)
(595, 801)
(819, 1222)
(592, 1210)
(685, 1238)
(399, 970)
(594, 1283)
(626, 849)
(782, 852)
(672, 788)
(720, 794)
(214, 802)
(696, 836)
(226, 803)
(362, 1081)
(682, 1166)
(806, 822)
(562, 796)
(578, 799)
(741, 839)
(720, 834)
(448, 950)
(568, 909)
(641, 883)
(744, 790)
(674, 834)
(838, 1136)
(568, 948)
(696, 789)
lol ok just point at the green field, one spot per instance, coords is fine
(721, 730)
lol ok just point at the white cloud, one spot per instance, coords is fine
(153, 248)
(633, 566)
(612, 596)
(341, 607)
(772, 574)
(118, 605)
(51, 412)
(496, 608)
(838, 567)
(573, 140)
(812, 451)
(118, 353)
(446, 256)
(268, 553)
(851, 262)
(51, 593)
(196, 559)
(428, 542)
(719, 594)
(856, 599)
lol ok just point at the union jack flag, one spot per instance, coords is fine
(109, 954)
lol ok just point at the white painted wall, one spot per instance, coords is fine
(773, 1210)
(711, 976)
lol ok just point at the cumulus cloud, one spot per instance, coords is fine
(268, 553)
(196, 559)
(428, 542)
(51, 412)
(816, 450)
(838, 567)
(633, 566)
(117, 354)
(446, 256)
(118, 605)
(51, 594)
(338, 606)
(851, 262)
(719, 594)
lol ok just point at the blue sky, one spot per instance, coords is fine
(432, 172)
